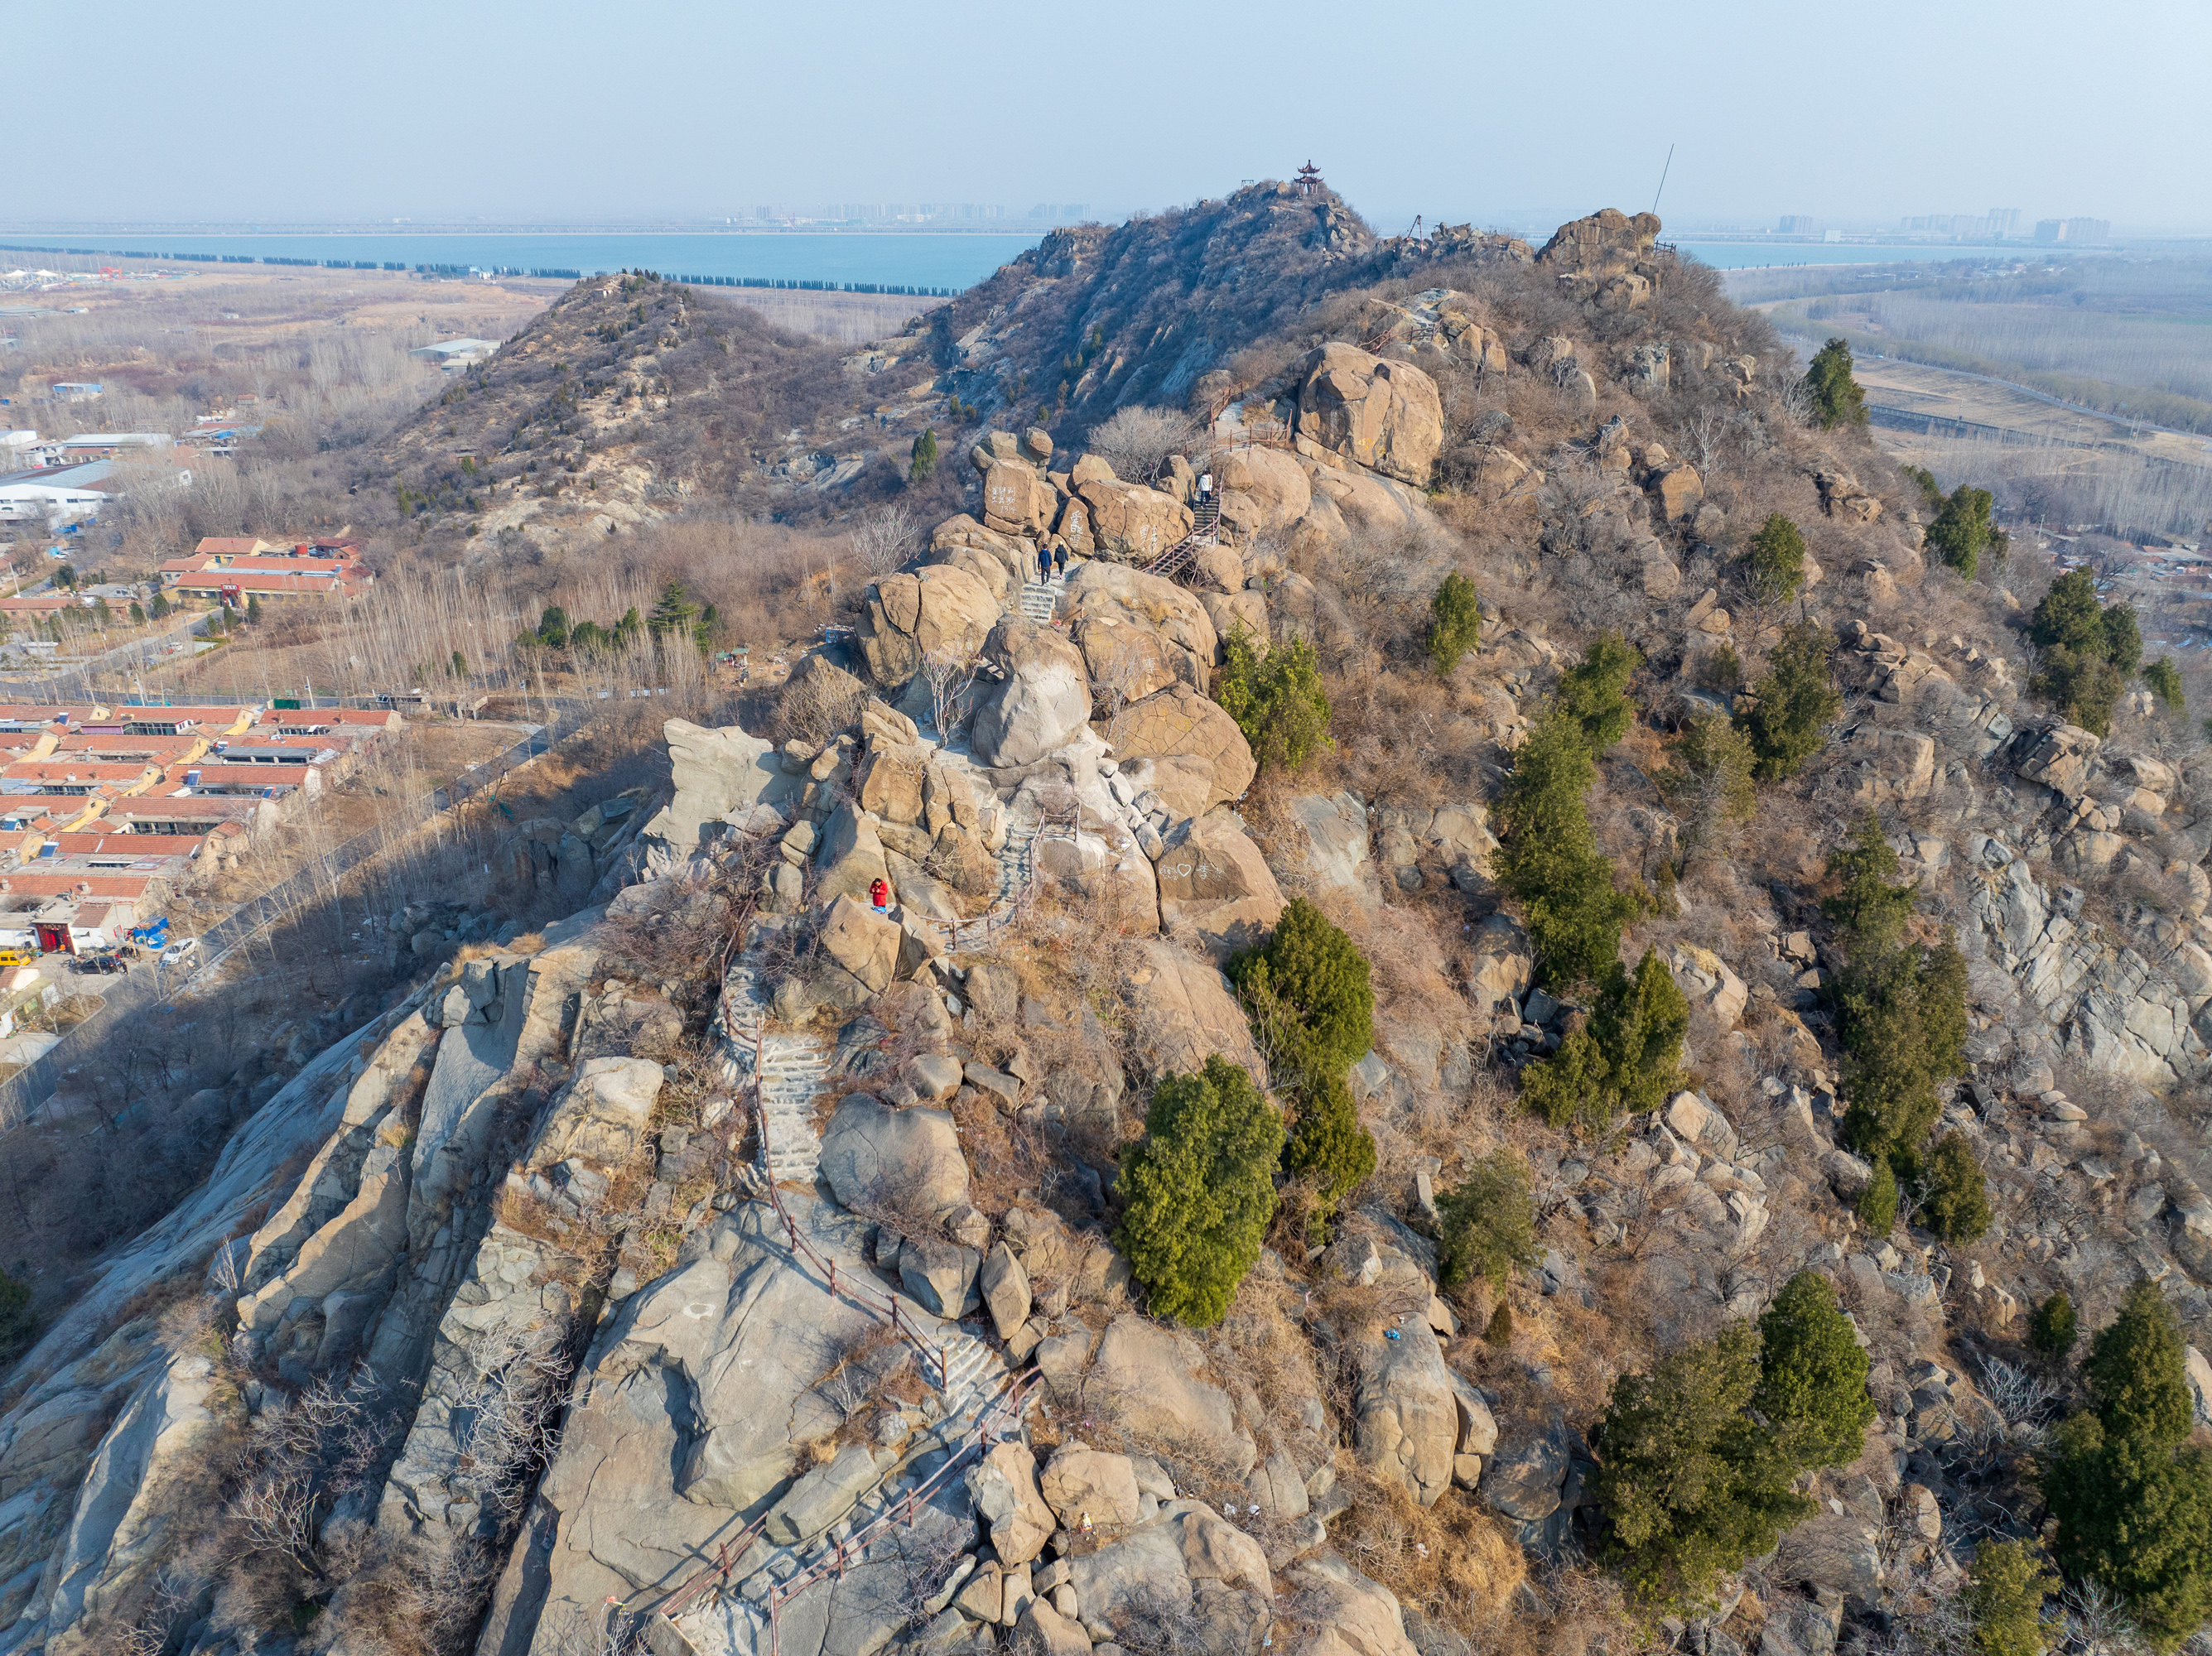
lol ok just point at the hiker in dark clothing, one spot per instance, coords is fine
(1060, 559)
(1044, 565)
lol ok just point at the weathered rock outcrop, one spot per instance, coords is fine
(1043, 700)
(1181, 723)
(1379, 413)
(940, 611)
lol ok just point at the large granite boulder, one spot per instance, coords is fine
(1001, 562)
(873, 1155)
(1346, 502)
(720, 776)
(1132, 522)
(1004, 1486)
(1273, 482)
(1214, 882)
(1016, 501)
(1187, 1558)
(1126, 662)
(1181, 1011)
(1085, 1482)
(1111, 592)
(1345, 1614)
(1377, 413)
(938, 611)
(1180, 721)
(1042, 701)
(1451, 843)
(1144, 1378)
(1335, 827)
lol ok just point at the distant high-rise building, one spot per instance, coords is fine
(2074, 230)
(2004, 220)
(1797, 224)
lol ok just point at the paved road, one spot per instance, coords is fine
(71, 682)
(148, 988)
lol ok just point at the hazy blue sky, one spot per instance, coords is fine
(617, 108)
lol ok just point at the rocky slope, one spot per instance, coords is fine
(730, 1267)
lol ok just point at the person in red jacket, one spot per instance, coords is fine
(879, 894)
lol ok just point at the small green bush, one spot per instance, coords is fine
(1548, 861)
(1327, 1142)
(921, 461)
(1455, 622)
(1487, 1226)
(1309, 997)
(2088, 651)
(2164, 680)
(1793, 706)
(1498, 1332)
(2004, 1594)
(1877, 1208)
(1200, 1189)
(1627, 1058)
(2053, 1329)
(1310, 993)
(1594, 690)
(1901, 1006)
(1956, 1205)
(1278, 700)
(1812, 1376)
(1709, 784)
(1836, 399)
(1774, 562)
(1690, 1484)
(1962, 532)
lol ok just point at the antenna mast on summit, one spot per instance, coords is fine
(1664, 171)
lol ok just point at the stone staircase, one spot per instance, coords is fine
(793, 1068)
(735, 1620)
(1040, 603)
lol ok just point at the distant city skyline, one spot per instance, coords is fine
(683, 110)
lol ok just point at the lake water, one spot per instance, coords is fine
(1751, 255)
(918, 258)
(927, 259)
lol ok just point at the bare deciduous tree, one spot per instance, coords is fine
(1136, 441)
(951, 675)
(885, 539)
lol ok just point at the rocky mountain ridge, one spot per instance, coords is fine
(732, 1265)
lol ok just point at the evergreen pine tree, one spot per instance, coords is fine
(1774, 562)
(1487, 1225)
(1594, 690)
(1812, 1376)
(2053, 1328)
(922, 461)
(1199, 1190)
(1793, 705)
(1877, 1205)
(1628, 1057)
(1956, 1205)
(19, 1324)
(1548, 860)
(1961, 530)
(1690, 1484)
(1327, 1142)
(2164, 679)
(253, 609)
(1836, 396)
(2004, 1594)
(1455, 622)
(1498, 1332)
(1277, 699)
